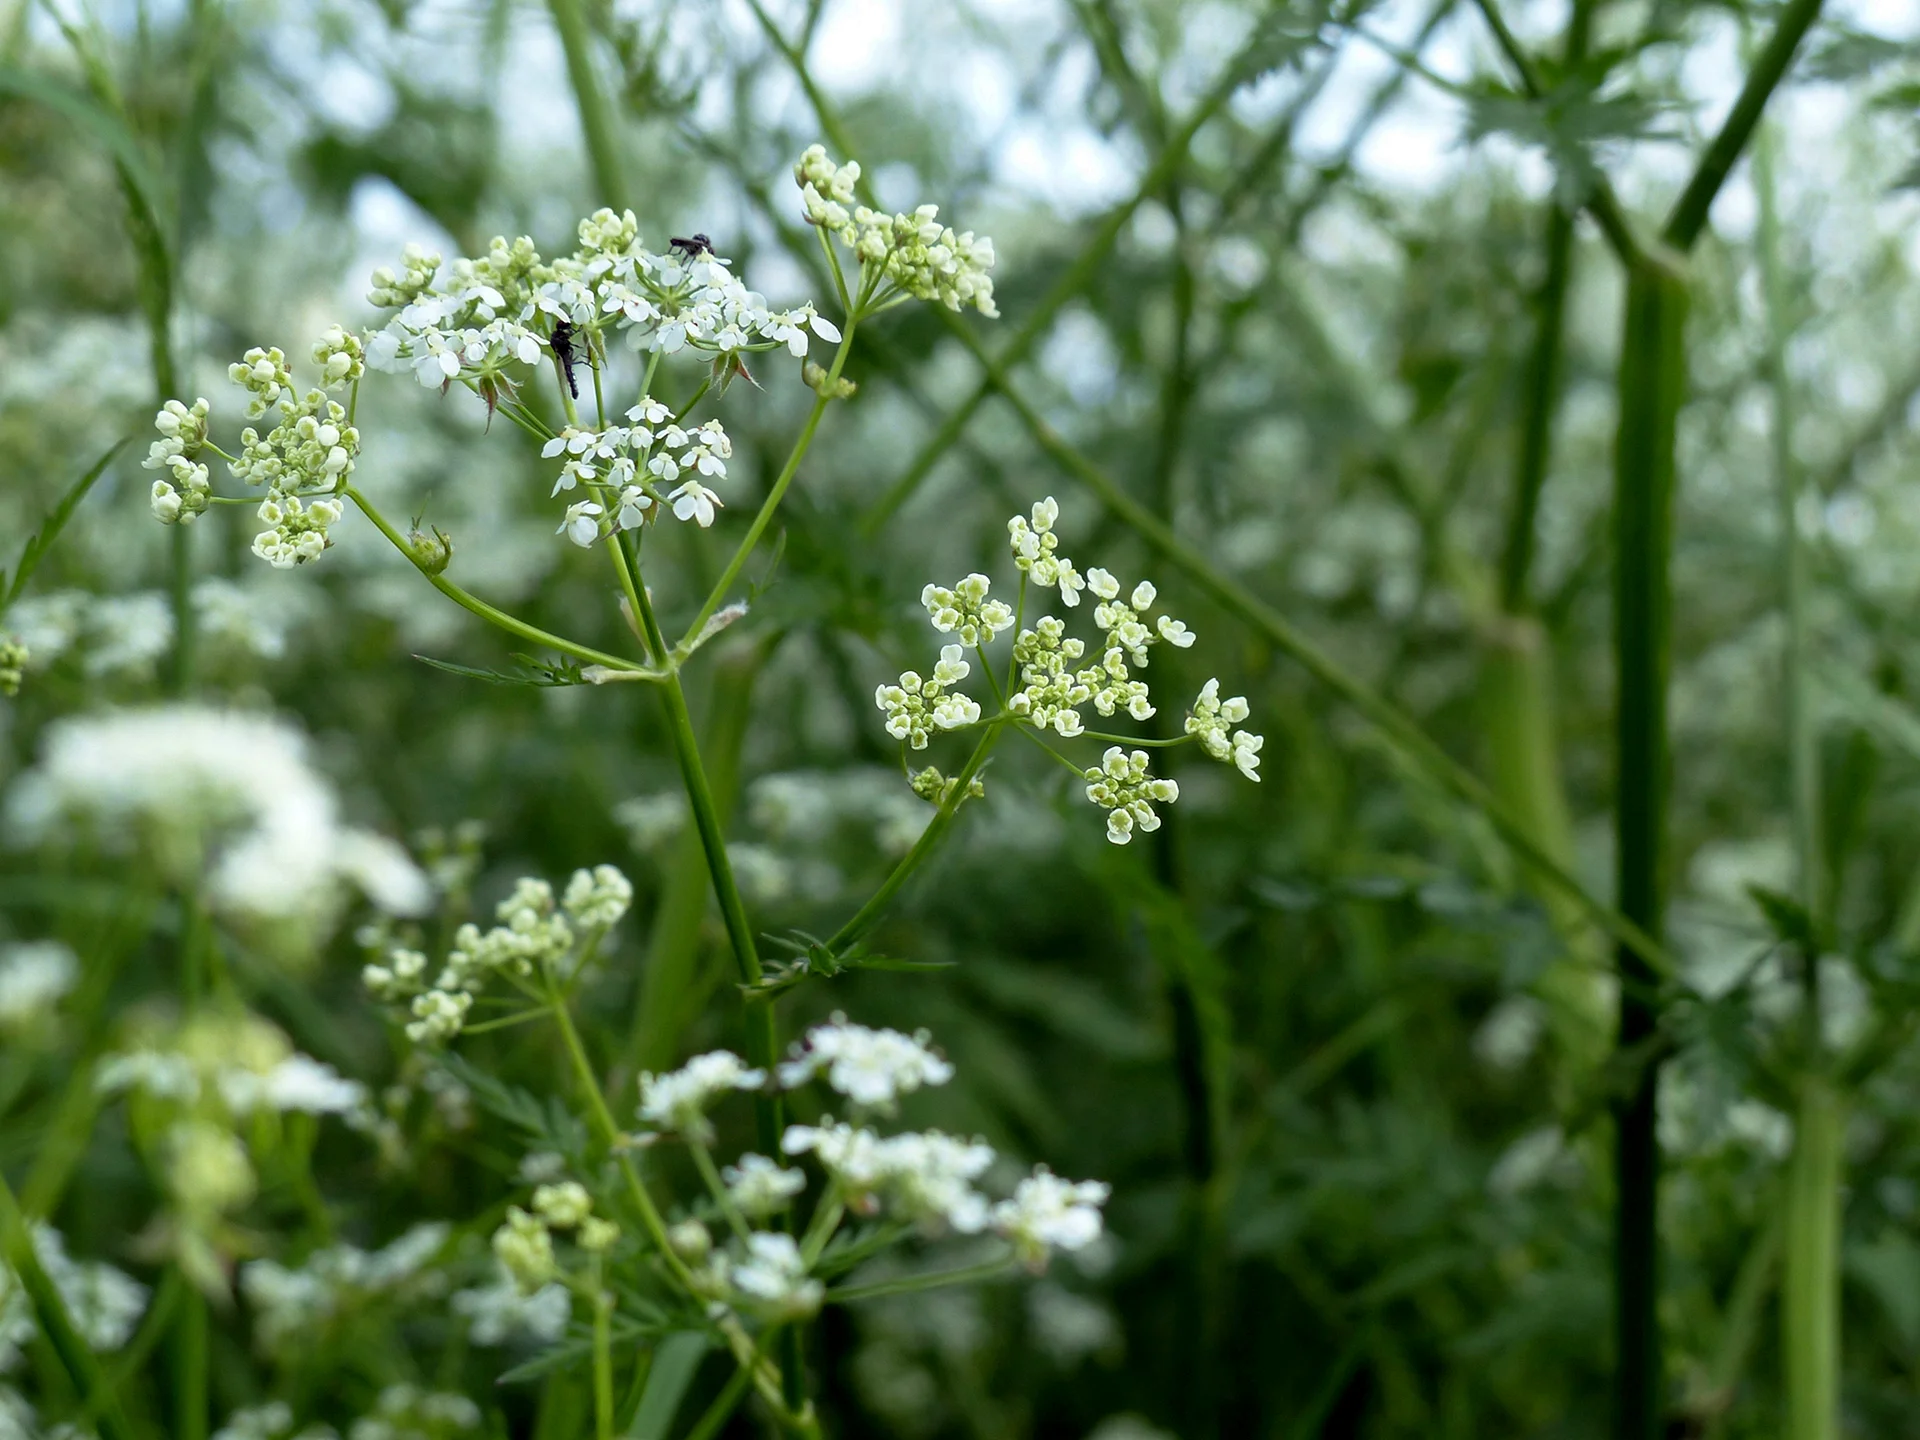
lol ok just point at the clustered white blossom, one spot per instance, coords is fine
(917, 707)
(216, 793)
(872, 1068)
(34, 977)
(502, 1313)
(292, 1303)
(187, 490)
(921, 1180)
(271, 1421)
(535, 935)
(406, 1412)
(1054, 678)
(1210, 721)
(126, 635)
(914, 254)
(629, 472)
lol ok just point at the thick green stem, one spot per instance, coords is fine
(1689, 215)
(602, 1361)
(1652, 388)
(596, 114)
(667, 981)
(190, 1368)
(1810, 1272)
(763, 1043)
(1538, 402)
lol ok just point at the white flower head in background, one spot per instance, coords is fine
(220, 794)
(34, 978)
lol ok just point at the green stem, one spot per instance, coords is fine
(190, 1368)
(763, 1044)
(930, 838)
(602, 1360)
(596, 114)
(907, 1285)
(718, 594)
(1810, 1273)
(1689, 215)
(16, 1248)
(724, 1404)
(610, 1134)
(489, 613)
(1652, 388)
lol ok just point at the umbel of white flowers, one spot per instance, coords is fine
(1053, 677)
(484, 322)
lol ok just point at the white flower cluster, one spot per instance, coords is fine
(271, 1421)
(305, 459)
(1122, 785)
(768, 1277)
(926, 1180)
(126, 635)
(534, 935)
(290, 1304)
(501, 1313)
(486, 313)
(1054, 678)
(34, 977)
(187, 491)
(406, 1412)
(913, 253)
(679, 1099)
(1210, 720)
(104, 1303)
(524, 1242)
(192, 788)
(917, 707)
(627, 469)
(872, 1068)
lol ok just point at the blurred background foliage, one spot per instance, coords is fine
(1277, 272)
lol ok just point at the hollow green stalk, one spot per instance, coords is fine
(602, 1358)
(1652, 388)
(597, 120)
(1810, 1266)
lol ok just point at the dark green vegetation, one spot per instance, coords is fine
(1560, 538)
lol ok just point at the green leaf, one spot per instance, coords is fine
(535, 674)
(40, 543)
(1789, 920)
(676, 1359)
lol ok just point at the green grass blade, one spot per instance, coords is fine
(42, 541)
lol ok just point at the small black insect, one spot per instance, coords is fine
(692, 245)
(562, 343)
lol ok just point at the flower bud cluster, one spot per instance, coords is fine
(916, 707)
(934, 788)
(524, 1241)
(535, 935)
(183, 434)
(913, 253)
(14, 655)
